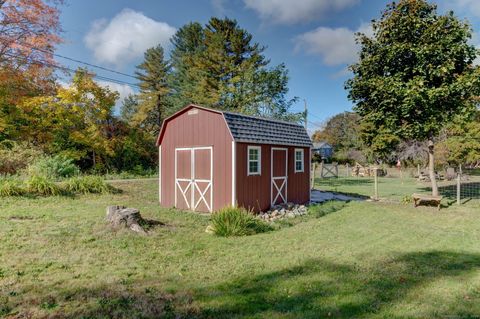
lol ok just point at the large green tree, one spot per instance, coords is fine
(74, 122)
(188, 43)
(341, 131)
(461, 142)
(153, 104)
(414, 76)
(220, 66)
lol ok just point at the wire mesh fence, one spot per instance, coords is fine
(455, 184)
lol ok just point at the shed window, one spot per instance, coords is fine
(254, 157)
(299, 162)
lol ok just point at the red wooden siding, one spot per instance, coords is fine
(196, 127)
(298, 183)
(254, 192)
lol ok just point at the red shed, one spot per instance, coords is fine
(209, 159)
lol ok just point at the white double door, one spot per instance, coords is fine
(194, 178)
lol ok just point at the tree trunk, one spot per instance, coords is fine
(431, 168)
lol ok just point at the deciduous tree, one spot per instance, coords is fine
(414, 76)
(74, 122)
(29, 31)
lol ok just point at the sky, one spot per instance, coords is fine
(314, 38)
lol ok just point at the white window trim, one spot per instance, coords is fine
(259, 149)
(303, 160)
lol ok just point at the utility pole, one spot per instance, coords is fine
(306, 113)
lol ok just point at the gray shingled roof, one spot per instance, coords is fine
(250, 129)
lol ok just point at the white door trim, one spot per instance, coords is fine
(160, 174)
(192, 185)
(284, 178)
(234, 169)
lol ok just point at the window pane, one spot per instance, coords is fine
(253, 167)
(298, 155)
(253, 154)
(299, 166)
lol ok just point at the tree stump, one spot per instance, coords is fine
(121, 216)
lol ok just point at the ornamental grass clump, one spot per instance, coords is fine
(41, 185)
(233, 221)
(87, 185)
(11, 187)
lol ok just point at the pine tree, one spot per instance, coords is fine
(220, 66)
(153, 104)
(129, 108)
(188, 44)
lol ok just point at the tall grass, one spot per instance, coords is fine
(87, 185)
(11, 187)
(40, 185)
(233, 221)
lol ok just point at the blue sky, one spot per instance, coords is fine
(314, 38)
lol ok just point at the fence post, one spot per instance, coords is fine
(418, 171)
(375, 174)
(321, 169)
(458, 187)
(348, 170)
(312, 181)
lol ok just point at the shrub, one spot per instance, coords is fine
(41, 185)
(15, 157)
(87, 185)
(11, 187)
(232, 221)
(53, 167)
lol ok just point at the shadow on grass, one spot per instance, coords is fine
(317, 288)
(320, 288)
(336, 185)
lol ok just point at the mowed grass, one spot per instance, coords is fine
(398, 189)
(58, 259)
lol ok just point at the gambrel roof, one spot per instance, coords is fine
(251, 129)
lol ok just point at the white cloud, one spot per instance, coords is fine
(126, 37)
(336, 46)
(219, 6)
(289, 12)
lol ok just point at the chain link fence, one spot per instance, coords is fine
(456, 184)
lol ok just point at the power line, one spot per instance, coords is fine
(78, 61)
(67, 69)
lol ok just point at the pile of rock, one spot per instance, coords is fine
(288, 210)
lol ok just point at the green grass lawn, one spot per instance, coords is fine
(397, 189)
(365, 260)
